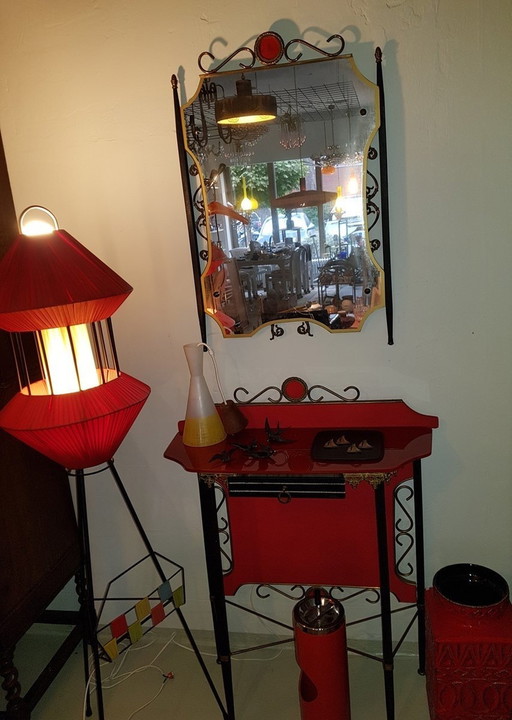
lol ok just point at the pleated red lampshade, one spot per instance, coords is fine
(75, 406)
(53, 281)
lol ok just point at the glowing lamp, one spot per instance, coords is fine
(246, 203)
(244, 108)
(338, 203)
(74, 404)
(353, 185)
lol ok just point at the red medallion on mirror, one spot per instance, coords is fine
(269, 47)
(294, 389)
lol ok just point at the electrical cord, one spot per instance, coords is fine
(116, 678)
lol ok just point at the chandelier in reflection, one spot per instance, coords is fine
(237, 152)
(239, 142)
(336, 155)
(248, 135)
(292, 134)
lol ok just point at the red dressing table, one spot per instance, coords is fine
(289, 519)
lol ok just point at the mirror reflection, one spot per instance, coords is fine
(281, 202)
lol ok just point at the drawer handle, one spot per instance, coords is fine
(284, 496)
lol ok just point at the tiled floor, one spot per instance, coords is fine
(265, 682)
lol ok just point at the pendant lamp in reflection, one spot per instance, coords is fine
(303, 198)
(74, 405)
(246, 203)
(292, 134)
(353, 184)
(338, 207)
(244, 108)
(254, 203)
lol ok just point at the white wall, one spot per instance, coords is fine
(87, 121)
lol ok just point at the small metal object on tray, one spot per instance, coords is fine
(348, 446)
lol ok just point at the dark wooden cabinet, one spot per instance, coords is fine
(39, 543)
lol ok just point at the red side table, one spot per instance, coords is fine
(281, 512)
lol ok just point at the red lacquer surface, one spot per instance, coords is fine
(469, 661)
(313, 541)
(407, 437)
(318, 541)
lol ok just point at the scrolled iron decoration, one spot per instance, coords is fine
(371, 207)
(372, 190)
(406, 541)
(199, 133)
(289, 596)
(223, 527)
(258, 395)
(353, 388)
(336, 592)
(218, 67)
(309, 45)
(282, 392)
(408, 493)
(373, 593)
(256, 54)
(200, 205)
(404, 527)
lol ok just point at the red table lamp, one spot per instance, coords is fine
(75, 406)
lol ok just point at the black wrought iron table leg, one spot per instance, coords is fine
(385, 600)
(420, 563)
(216, 587)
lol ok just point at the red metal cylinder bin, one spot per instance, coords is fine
(469, 645)
(321, 652)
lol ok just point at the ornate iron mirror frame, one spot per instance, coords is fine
(269, 50)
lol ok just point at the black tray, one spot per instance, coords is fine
(348, 446)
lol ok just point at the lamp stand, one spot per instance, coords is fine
(90, 619)
(88, 610)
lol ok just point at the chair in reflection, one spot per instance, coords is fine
(334, 277)
(278, 278)
(292, 276)
(249, 282)
(300, 271)
(248, 274)
(308, 266)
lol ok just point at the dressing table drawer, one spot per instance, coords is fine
(286, 488)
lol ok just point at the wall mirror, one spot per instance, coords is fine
(282, 205)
